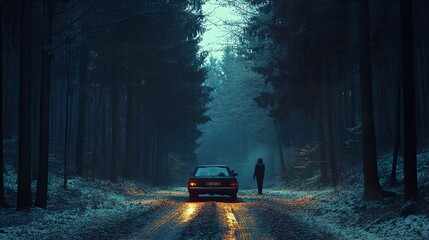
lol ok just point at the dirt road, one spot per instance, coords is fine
(251, 217)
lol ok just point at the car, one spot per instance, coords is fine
(213, 179)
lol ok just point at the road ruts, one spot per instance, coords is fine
(169, 223)
(240, 222)
(279, 218)
(218, 218)
(202, 220)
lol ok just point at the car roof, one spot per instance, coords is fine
(213, 165)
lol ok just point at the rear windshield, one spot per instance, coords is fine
(211, 171)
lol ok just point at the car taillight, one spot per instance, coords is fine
(192, 184)
(233, 184)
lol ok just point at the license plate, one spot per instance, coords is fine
(213, 183)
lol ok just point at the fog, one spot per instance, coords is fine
(239, 131)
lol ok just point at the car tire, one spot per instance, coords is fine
(193, 196)
(234, 197)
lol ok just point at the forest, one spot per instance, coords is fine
(125, 90)
(93, 88)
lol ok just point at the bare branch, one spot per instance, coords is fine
(68, 9)
(75, 20)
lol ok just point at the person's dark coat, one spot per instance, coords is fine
(259, 174)
(259, 171)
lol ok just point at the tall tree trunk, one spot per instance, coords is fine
(156, 151)
(321, 140)
(372, 188)
(410, 140)
(67, 128)
(36, 60)
(42, 177)
(2, 197)
(341, 119)
(424, 78)
(115, 122)
(332, 157)
(352, 119)
(130, 133)
(104, 118)
(138, 152)
(421, 64)
(83, 69)
(397, 136)
(139, 145)
(105, 130)
(24, 163)
(98, 129)
(280, 149)
(146, 158)
(421, 113)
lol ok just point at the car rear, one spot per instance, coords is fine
(212, 180)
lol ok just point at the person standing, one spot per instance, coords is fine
(259, 174)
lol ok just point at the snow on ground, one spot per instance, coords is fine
(94, 208)
(76, 211)
(343, 212)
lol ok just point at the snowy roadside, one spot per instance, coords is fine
(98, 209)
(343, 213)
(86, 208)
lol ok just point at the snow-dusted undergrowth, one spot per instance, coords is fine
(343, 212)
(86, 206)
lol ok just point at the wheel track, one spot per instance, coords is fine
(279, 218)
(215, 218)
(239, 222)
(171, 222)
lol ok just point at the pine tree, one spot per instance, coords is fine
(409, 111)
(372, 188)
(24, 163)
(2, 196)
(42, 177)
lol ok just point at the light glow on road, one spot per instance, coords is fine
(232, 224)
(169, 223)
(238, 221)
(188, 213)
